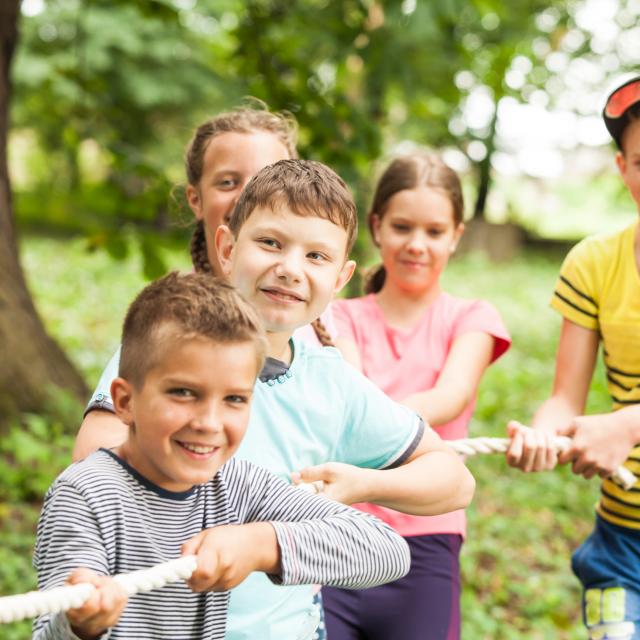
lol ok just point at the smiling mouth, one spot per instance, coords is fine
(198, 449)
(413, 263)
(282, 296)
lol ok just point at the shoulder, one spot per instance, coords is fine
(97, 466)
(597, 249)
(458, 308)
(97, 477)
(352, 306)
(237, 470)
(309, 355)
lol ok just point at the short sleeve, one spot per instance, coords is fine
(343, 319)
(484, 317)
(101, 398)
(575, 294)
(378, 432)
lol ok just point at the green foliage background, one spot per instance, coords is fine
(105, 98)
(522, 528)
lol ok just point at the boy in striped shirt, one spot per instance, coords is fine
(172, 488)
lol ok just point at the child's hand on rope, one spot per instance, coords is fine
(598, 445)
(530, 449)
(103, 608)
(341, 482)
(227, 554)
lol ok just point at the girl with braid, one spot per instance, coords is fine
(428, 350)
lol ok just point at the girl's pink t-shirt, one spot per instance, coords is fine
(407, 361)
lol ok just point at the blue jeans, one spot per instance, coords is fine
(608, 566)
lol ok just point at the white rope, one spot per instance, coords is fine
(473, 446)
(37, 603)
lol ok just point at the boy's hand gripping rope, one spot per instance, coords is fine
(37, 603)
(472, 446)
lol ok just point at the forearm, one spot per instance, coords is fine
(438, 406)
(433, 483)
(264, 544)
(555, 412)
(99, 429)
(626, 422)
(348, 549)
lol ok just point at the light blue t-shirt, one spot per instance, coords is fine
(319, 410)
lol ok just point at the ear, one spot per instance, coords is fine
(345, 275)
(621, 162)
(375, 227)
(457, 234)
(194, 201)
(225, 242)
(122, 397)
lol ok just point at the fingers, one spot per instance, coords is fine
(103, 608)
(322, 472)
(515, 450)
(207, 573)
(192, 546)
(530, 449)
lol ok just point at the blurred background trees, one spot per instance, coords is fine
(97, 101)
(105, 96)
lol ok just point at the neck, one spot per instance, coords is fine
(278, 346)
(401, 307)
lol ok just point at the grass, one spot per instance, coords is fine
(522, 528)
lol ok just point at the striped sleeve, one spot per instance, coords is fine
(68, 537)
(322, 541)
(575, 294)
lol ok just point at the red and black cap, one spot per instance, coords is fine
(617, 105)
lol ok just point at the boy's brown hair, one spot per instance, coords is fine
(183, 307)
(307, 188)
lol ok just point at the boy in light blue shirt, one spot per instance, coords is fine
(285, 250)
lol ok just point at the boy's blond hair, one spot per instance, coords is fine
(183, 307)
(307, 188)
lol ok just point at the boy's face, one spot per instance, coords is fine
(288, 266)
(628, 161)
(188, 417)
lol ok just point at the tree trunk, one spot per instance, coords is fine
(484, 179)
(31, 363)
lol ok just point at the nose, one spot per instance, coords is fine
(289, 266)
(207, 418)
(417, 242)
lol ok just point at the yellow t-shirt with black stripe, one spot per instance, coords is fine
(599, 289)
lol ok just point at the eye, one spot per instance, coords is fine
(435, 233)
(317, 256)
(269, 242)
(237, 399)
(227, 184)
(181, 392)
(400, 228)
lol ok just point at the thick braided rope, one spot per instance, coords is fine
(37, 603)
(473, 446)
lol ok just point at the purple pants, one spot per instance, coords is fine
(424, 605)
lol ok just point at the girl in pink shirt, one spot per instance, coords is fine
(428, 350)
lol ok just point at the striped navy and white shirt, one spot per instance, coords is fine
(101, 514)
